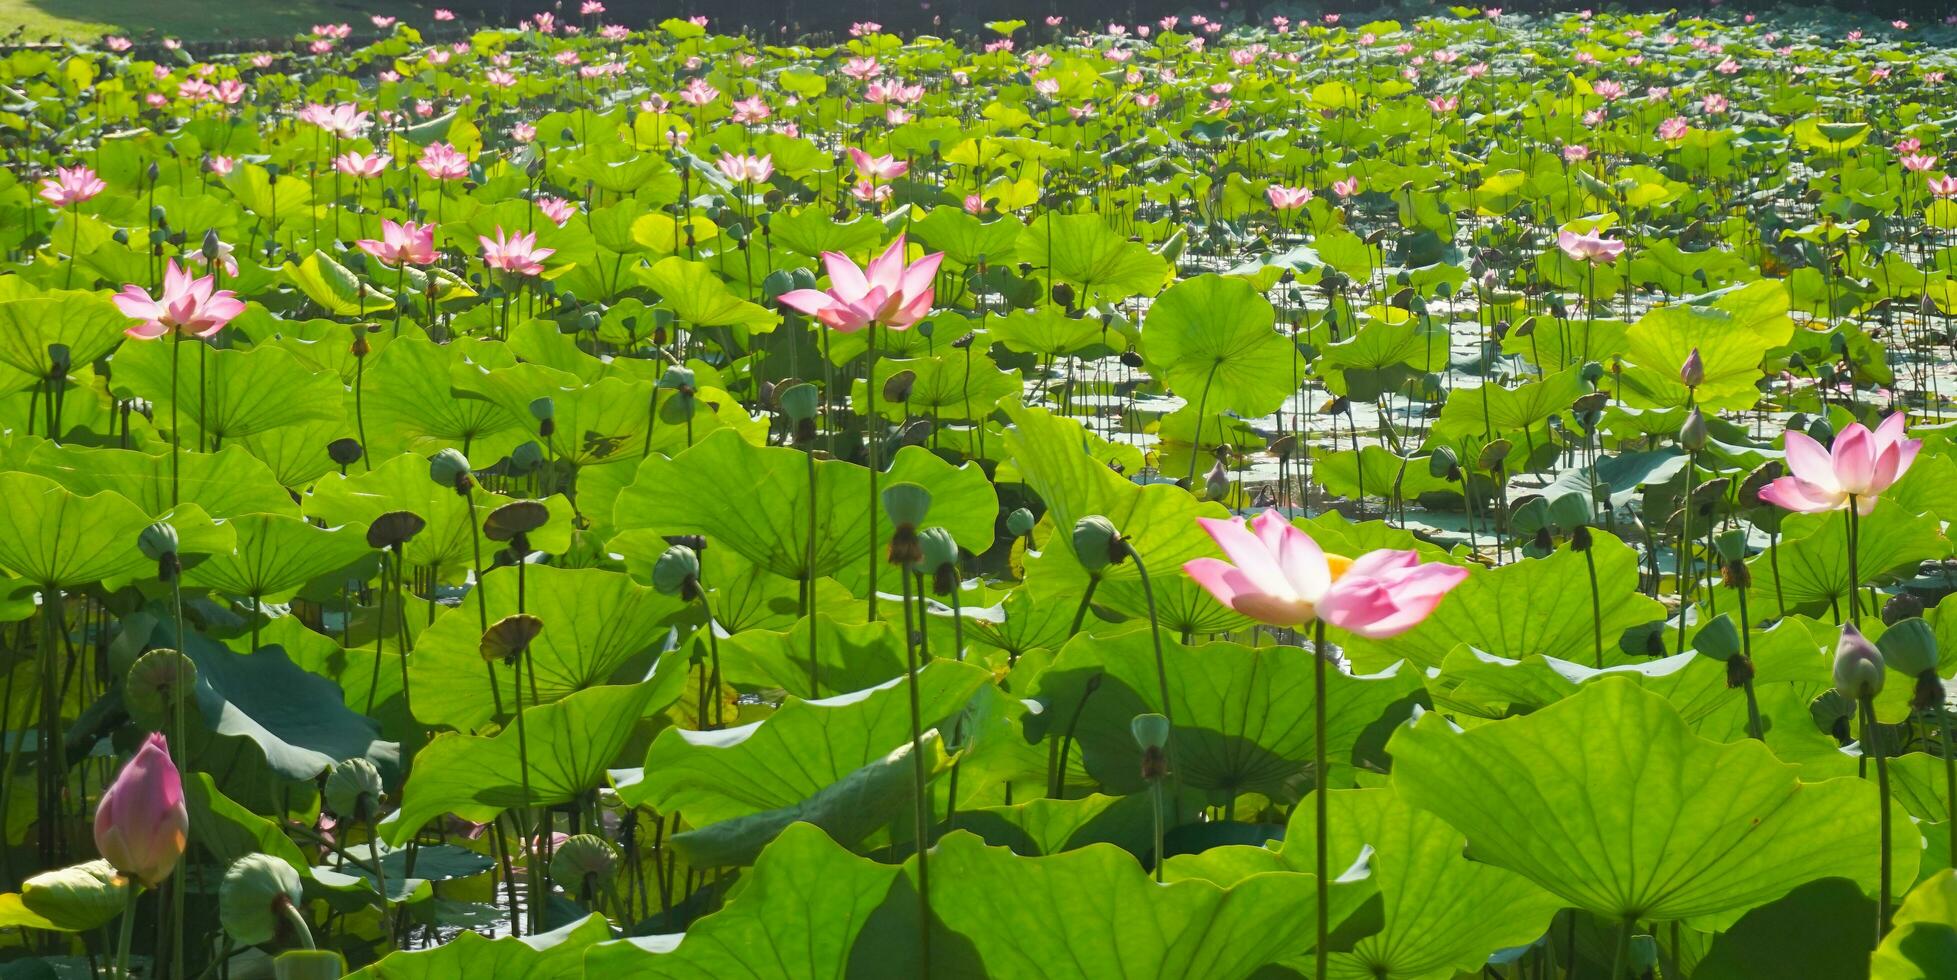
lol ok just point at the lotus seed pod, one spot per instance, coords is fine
(1820, 431)
(543, 409)
(677, 572)
(450, 468)
(157, 541)
(1020, 522)
(1643, 955)
(1901, 606)
(1443, 464)
(344, 452)
(800, 402)
(1494, 455)
(1693, 372)
(308, 964)
(1731, 545)
(394, 529)
(526, 457)
(907, 504)
(155, 681)
(1831, 712)
(513, 520)
(777, 283)
(897, 387)
(252, 899)
(1151, 730)
(1858, 665)
(354, 788)
(1216, 483)
(1719, 639)
(1593, 372)
(677, 379)
(1097, 544)
(1570, 510)
(939, 547)
(584, 861)
(1909, 647)
(507, 638)
(1692, 436)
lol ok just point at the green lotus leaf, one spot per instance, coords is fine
(698, 297)
(1083, 252)
(849, 657)
(1922, 942)
(1732, 330)
(1211, 339)
(73, 899)
(1051, 826)
(84, 322)
(555, 955)
(410, 404)
(796, 752)
(276, 555)
(569, 743)
(1243, 722)
(770, 522)
(1048, 332)
(594, 622)
(226, 394)
(447, 539)
(964, 238)
(334, 288)
(957, 387)
(1810, 571)
(53, 537)
(1535, 606)
(1716, 830)
(228, 483)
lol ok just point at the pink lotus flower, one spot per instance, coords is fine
(444, 15)
(403, 244)
(515, 254)
(1277, 574)
(343, 120)
(443, 162)
(1589, 247)
(1859, 467)
(1346, 188)
(1287, 198)
(141, 824)
(223, 165)
(71, 186)
(1674, 128)
(1440, 104)
(556, 209)
(356, 164)
(1917, 163)
(747, 168)
(192, 306)
(878, 167)
(1945, 186)
(887, 292)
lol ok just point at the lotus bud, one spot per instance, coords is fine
(507, 638)
(140, 823)
(907, 504)
(353, 789)
(344, 452)
(677, 572)
(940, 551)
(253, 900)
(1858, 665)
(585, 861)
(1909, 647)
(1020, 522)
(154, 684)
(450, 468)
(1693, 372)
(1151, 732)
(1692, 436)
(1097, 544)
(158, 542)
(1216, 483)
(1901, 606)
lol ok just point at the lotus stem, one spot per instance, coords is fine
(1321, 860)
(921, 802)
(1871, 745)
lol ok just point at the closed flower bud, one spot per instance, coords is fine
(1097, 544)
(254, 896)
(141, 824)
(677, 572)
(353, 790)
(1693, 372)
(1692, 436)
(1858, 665)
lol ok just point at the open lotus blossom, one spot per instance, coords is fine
(344, 120)
(1589, 247)
(1945, 186)
(877, 167)
(515, 254)
(556, 209)
(1277, 574)
(887, 292)
(403, 244)
(193, 306)
(1346, 188)
(70, 186)
(1287, 198)
(141, 824)
(1860, 466)
(747, 167)
(443, 162)
(1917, 162)
(363, 165)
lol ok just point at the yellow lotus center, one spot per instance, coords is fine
(1337, 564)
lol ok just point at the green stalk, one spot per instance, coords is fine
(921, 808)
(870, 433)
(1319, 951)
(128, 930)
(1869, 745)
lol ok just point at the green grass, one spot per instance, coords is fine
(191, 20)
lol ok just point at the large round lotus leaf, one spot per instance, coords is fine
(276, 555)
(1243, 715)
(52, 536)
(594, 622)
(1923, 943)
(555, 955)
(1211, 339)
(1083, 252)
(1607, 800)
